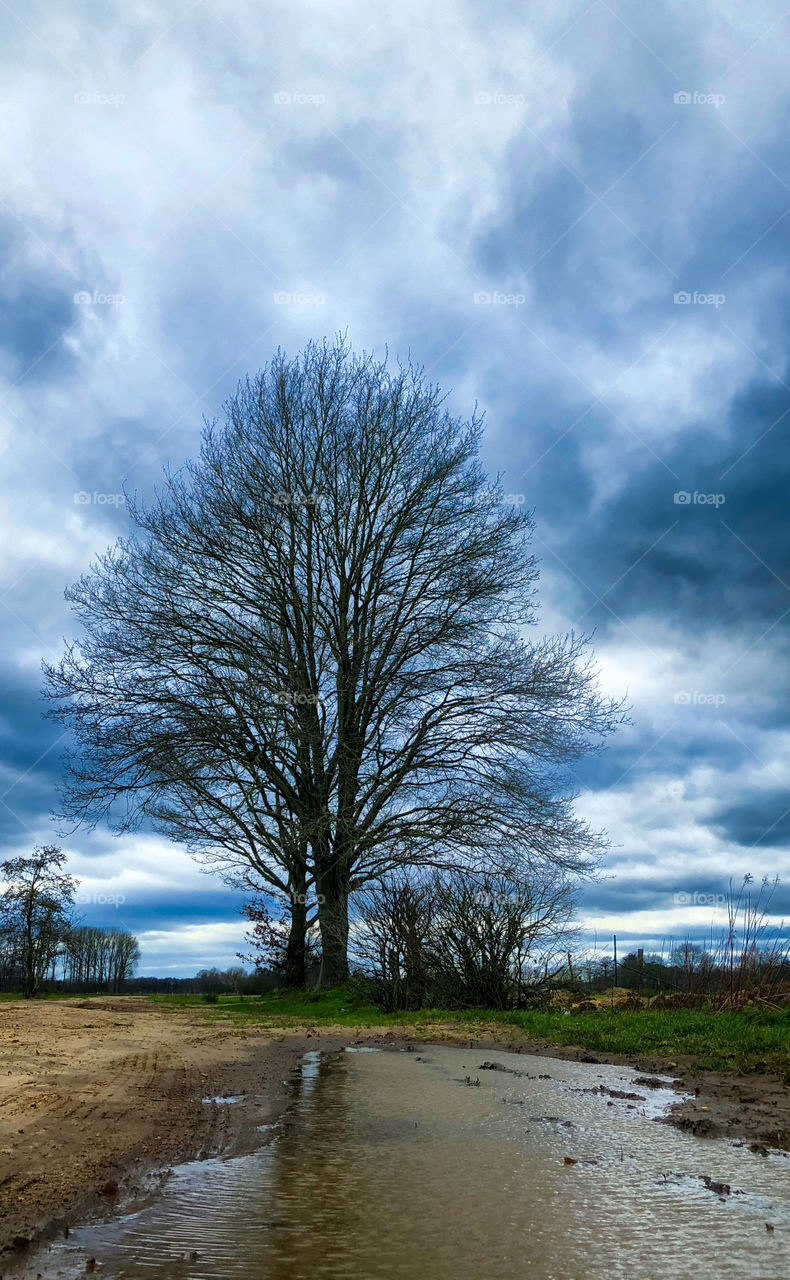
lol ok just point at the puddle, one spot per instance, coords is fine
(225, 1098)
(396, 1166)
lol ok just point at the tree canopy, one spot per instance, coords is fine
(309, 660)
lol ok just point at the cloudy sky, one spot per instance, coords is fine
(576, 214)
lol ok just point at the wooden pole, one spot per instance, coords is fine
(615, 959)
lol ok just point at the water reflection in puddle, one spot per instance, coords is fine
(403, 1165)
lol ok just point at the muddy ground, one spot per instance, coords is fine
(94, 1095)
(751, 1108)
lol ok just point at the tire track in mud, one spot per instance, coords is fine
(90, 1101)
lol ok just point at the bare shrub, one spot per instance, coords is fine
(463, 939)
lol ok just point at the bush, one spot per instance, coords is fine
(459, 939)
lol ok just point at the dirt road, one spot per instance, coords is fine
(94, 1092)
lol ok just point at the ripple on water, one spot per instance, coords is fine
(387, 1166)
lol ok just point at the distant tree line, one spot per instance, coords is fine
(98, 959)
(690, 969)
(81, 959)
(41, 945)
(232, 981)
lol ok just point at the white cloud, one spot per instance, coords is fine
(185, 950)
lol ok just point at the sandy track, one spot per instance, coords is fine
(92, 1093)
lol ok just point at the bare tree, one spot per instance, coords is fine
(34, 912)
(269, 938)
(308, 664)
(495, 935)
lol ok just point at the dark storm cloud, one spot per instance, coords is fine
(725, 561)
(721, 554)
(763, 820)
(614, 897)
(702, 891)
(36, 307)
(30, 750)
(108, 904)
(639, 752)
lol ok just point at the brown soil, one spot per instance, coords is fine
(94, 1094)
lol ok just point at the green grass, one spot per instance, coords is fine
(750, 1040)
(55, 995)
(339, 1007)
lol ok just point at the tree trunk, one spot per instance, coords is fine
(332, 884)
(30, 969)
(295, 953)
